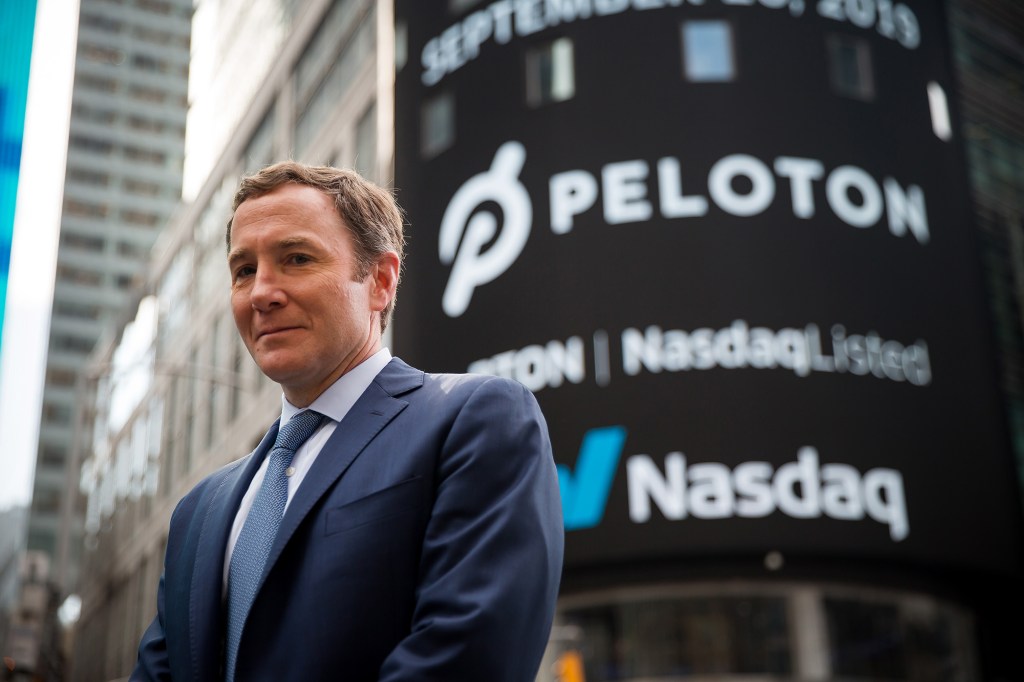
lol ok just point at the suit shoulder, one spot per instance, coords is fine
(454, 393)
(476, 384)
(475, 397)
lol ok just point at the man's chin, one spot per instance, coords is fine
(282, 371)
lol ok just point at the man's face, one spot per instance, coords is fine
(298, 307)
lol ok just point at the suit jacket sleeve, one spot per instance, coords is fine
(492, 553)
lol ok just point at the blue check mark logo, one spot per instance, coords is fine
(585, 492)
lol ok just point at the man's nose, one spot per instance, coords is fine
(266, 290)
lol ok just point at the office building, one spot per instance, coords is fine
(174, 395)
(122, 181)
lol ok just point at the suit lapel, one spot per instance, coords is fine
(205, 613)
(376, 407)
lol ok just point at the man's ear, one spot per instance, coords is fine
(384, 280)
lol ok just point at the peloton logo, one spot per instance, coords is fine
(481, 246)
(802, 489)
(473, 266)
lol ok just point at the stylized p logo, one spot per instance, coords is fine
(471, 265)
(585, 494)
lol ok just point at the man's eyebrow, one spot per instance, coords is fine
(241, 253)
(289, 242)
(237, 254)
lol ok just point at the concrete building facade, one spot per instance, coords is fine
(174, 396)
(122, 181)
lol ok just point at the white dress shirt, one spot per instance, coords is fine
(334, 403)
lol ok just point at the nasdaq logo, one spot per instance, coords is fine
(679, 490)
(585, 492)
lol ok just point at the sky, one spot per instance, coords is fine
(34, 250)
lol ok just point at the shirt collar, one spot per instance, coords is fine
(339, 397)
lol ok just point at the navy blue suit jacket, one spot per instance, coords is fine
(424, 544)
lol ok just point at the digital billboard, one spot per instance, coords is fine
(17, 22)
(728, 245)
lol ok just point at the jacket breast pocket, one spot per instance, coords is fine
(377, 506)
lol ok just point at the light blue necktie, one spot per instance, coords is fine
(260, 529)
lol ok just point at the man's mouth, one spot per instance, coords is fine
(272, 331)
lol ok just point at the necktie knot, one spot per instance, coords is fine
(297, 430)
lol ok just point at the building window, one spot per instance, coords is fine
(84, 209)
(84, 112)
(52, 456)
(91, 144)
(366, 143)
(708, 54)
(46, 501)
(57, 414)
(88, 177)
(437, 125)
(73, 275)
(144, 94)
(82, 242)
(43, 540)
(103, 55)
(190, 420)
(155, 6)
(98, 21)
(153, 36)
(143, 218)
(850, 67)
(130, 250)
(158, 37)
(145, 156)
(170, 440)
(675, 638)
(61, 378)
(145, 62)
(147, 125)
(321, 53)
(96, 83)
(314, 113)
(142, 187)
(260, 150)
(67, 342)
(749, 631)
(82, 311)
(550, 74)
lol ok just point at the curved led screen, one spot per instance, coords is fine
(728, 245)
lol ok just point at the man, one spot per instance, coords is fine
(411, 532)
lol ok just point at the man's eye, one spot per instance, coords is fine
(244, 271)
(299, 258)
